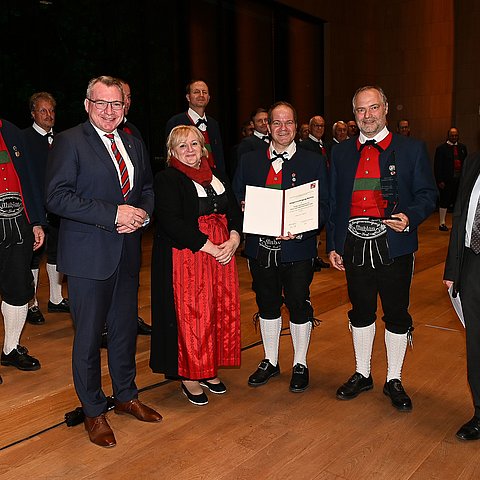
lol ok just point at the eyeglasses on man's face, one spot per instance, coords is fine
(46, 111)
(103, 104)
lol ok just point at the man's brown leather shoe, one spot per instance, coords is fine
(136, 408)
(99, 431)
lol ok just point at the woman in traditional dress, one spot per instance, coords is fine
(195, 295)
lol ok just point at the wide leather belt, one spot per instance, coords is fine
(366, 228)
(10, 205)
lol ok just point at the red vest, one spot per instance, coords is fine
(367, 198)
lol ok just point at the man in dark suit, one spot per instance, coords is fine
(128, 127)
(99, 182)
(462, 270)
(352, 129)
(447, 166)
(314, 143)
(246, 131)
(339, 134)
(381, 190)
(260, 138)
(39, 138)
(403, 127)
(282, 267)
(198, 96)
(21, 220)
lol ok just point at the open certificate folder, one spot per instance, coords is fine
(274, 213)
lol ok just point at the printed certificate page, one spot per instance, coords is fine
(274, 212)
(263, 211)
(301, 208)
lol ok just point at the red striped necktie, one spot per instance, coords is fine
(125, 181)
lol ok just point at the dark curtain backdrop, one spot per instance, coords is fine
(251, 53)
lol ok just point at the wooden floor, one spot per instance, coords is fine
(267, 432)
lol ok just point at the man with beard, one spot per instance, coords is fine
(381, 190)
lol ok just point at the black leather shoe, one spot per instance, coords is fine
(356, 384)
(19, 358)
(299, 381)
(470, 431)
(201, 399)
(263, 374)
(143, 328)
(319, 263)
(218, 388)
(35, 316)
(400, 400)
(62, 307)
(104, 342)
(443, 228)
(1, 381)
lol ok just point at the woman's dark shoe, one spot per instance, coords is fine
(214, 387)
(201, 399)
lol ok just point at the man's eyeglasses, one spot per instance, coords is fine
(44, 111)
(103, 104)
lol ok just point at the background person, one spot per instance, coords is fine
(39, 138)
(448, 162)
(198, 98)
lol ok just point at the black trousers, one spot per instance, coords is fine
(448, 194)
(289, 281)
(470, 298)
(390, 282)
(16, 279)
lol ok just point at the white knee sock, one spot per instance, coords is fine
(396, 348)
(363, 344)
(55, 281)
(270, 330)
(35, 272)
(443, 215)
(301, 340)
(14, 320)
